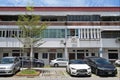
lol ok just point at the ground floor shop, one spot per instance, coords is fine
(48, 54)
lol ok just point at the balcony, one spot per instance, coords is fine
(72, 23)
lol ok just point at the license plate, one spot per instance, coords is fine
(109, 72)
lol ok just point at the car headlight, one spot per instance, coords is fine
(10, 67)
(89, 69)
(73, 68)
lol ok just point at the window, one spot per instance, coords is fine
(113, 55)
(110, 34)
(5, 54)
(72, 32)
(87, 54)
(0, 33)
(54, 33)
(59, 55)
(45, 55)
(92, 54)
(83, 17)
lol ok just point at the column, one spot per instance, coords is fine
(84, 33)
(88, 33)
(81, 30)
(65, 44)
(94, 33)
(91, 32)
(79, 34)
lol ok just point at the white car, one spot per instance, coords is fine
(58, 62)
(78, 68)
(117, 62)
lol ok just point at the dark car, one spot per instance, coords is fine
(101, 66)
(26, 62)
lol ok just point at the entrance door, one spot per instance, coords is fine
(71, 56)
(36, 55)
(80, 55)
(52, 56)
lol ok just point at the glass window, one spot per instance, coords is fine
(110, 34)
(113, 55)
(83, 17)
(45, 55)
(72, 32)
(54, 33)
(87, 54)
(92, 54)
(0, 33)
(5, 54)
(59, 55)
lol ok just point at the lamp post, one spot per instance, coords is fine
(101, 49)
(65, 43)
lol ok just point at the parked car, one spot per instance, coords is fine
(26, 62)
(9, 65)
(77, 68)
(101, 66)
(58, 62)
(117, 62)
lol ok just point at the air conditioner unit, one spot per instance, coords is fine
(62, 41)
(117, 40)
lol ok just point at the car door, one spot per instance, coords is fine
(64, 62)
(92, 65)
(60, 62)
(17, 63)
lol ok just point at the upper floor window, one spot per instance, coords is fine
(83, 17)
(110, 34)
(110, 18)
(54, 33)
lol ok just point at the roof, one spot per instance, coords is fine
(62, 9)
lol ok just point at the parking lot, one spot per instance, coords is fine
(59, 74)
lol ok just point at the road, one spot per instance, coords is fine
(58, 74)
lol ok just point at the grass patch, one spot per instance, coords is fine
(28, 72)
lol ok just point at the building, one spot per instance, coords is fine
(73, 32)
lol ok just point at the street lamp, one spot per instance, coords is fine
(100, 49)
(65, 43)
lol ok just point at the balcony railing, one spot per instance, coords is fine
(70, 23)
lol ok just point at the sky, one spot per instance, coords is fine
(62, 3)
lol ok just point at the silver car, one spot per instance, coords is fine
(58, 62)
(9, 65)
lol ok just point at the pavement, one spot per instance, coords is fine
(58, 74)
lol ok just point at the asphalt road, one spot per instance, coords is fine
(58, 74)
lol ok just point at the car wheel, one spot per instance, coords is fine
(96, 72)
(66, 70)
(18, 69)
(70, 73)
(56, 65)
(13, 72)
(88, 75)
(38, 65)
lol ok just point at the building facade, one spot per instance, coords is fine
(72, 32)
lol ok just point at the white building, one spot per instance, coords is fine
(73, 32)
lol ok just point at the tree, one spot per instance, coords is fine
(31, 30)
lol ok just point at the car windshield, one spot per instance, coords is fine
(76, 62)
(102, 61)
(7, 60)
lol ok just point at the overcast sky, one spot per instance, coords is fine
(69, 3)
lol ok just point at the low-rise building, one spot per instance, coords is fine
(73, 32)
